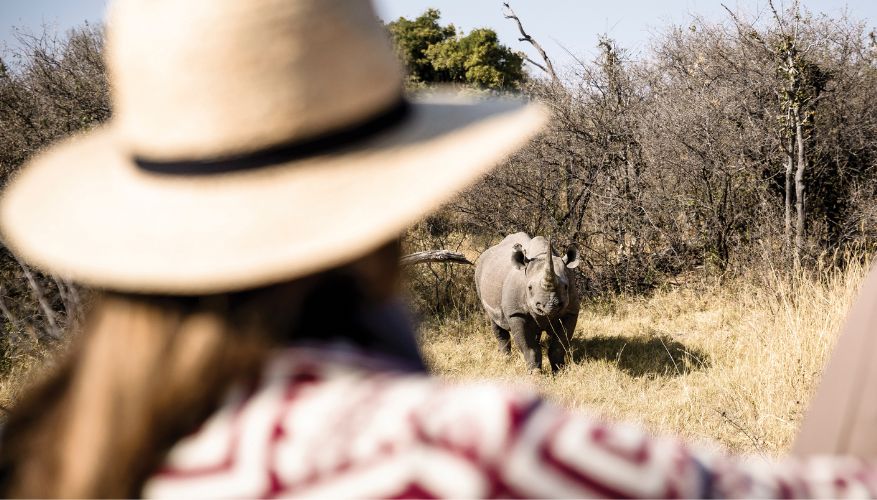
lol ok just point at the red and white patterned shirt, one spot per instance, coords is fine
(329, 422)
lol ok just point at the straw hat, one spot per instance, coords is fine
(252, 142)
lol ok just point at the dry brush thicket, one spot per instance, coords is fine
(51, 86)
(724, 148)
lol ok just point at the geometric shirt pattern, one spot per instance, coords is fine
(333, 422)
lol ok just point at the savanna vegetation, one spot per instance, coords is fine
(721, 186)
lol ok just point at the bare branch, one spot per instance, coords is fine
(753, 33)
(548, 67)
(534, 63)
(37, 291)
(5, 310)
(778, 18)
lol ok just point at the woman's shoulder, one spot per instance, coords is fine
(324, 412)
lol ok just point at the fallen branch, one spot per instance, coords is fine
(434, 256)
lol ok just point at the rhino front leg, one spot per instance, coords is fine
(503, 337)
(524, 333)
(560, 341)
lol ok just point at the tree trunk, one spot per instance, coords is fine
(799, 189)
(787, 228)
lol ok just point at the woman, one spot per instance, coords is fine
(240, 214)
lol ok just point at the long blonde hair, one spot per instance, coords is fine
(147, 370)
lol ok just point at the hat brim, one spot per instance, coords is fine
(83, 210)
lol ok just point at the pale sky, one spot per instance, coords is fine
(559, 25)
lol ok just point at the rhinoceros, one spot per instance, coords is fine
(523, 296)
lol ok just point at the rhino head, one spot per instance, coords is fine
(546, 276)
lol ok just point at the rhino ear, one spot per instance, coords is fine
(518, 257)
(571, 258)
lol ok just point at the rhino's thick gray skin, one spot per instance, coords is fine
(523, 296)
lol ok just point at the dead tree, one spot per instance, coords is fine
(798, 96)
(525, 37)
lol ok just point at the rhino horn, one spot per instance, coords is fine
(549, 280)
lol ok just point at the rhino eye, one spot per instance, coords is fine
(530, 287)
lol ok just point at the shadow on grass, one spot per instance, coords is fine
(644, 356)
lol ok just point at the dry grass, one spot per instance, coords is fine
(735, 363)
(19, 364)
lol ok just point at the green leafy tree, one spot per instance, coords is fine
(478, 59)
(414, 37)
(438, 54)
